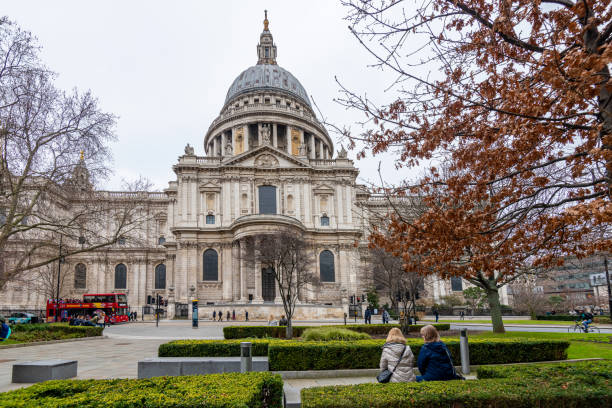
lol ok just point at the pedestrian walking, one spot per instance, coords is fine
(228, 316)
(385, 316)
(214, 315)
(233, 314)
(461, 315)
(246, 315)
(220, 314)
(367, 316)
(436, 314)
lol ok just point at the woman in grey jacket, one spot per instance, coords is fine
(394, 350)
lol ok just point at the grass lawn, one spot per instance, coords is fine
(580, 343)
(488, 321)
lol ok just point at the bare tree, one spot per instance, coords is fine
(53, 148)
(527, 297)
(290, 257)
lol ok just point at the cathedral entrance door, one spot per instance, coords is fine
(268, 287)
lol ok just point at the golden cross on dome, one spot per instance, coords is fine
(82, 155)
(266, 20)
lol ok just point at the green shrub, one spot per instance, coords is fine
(215, 390)
(545, 386)
(602, 319)
(212, 348)
(336, 355)
(240, 332)
(332, 333)
(43, 332)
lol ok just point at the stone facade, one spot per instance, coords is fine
(269, 164)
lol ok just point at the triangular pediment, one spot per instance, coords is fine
(266, 157)
(323, 189)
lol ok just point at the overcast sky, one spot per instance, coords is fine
(164, 67)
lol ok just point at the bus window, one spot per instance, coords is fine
(89, 299)
(110, 298)
(122, 298)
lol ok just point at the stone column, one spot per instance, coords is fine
(274, 135)
(277, 298)
(259, 138)
(226, 262)
(302, 138)
(243, 274)
(288, 138)
(257, 275)
(233, 136)
(246, 137)
(222, 144)
(312, 146)
(321, 149)
(214, 152)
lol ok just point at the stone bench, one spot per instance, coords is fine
(174, 366)
(44, 370)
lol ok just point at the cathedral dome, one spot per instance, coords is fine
(267, 77)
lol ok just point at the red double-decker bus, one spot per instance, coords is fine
(114, 305)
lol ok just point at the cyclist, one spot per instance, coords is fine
(586, 318)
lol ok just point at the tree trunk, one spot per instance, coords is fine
(289, 330)
(496, 312)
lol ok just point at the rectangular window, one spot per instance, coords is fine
(210, 219)
(325, 221)
(456, 284)
(267, 200)
(267, 52)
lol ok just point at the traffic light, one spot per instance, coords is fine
(352, 300)
(358, 300)
(149, 299)
(165, 302)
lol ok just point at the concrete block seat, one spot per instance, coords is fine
(44, 370)
(174, 366)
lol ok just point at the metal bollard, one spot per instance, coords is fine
(465, 352)
(246, 359)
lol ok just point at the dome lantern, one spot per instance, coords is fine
(266, 49)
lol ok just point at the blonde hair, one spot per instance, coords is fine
(430, 334)
(395, 336)
(271, 317)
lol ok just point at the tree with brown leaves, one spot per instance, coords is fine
(508, 103)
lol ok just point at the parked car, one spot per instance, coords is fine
(21, 317)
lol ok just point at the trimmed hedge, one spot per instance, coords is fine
(288, 355)
(215, 390)
(332, 333)
(28, 333)
(585, 384)
(602, 320)
(212, 348)
(241, 332)
(564, 318)
(336, 355)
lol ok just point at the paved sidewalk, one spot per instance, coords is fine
(99, 358)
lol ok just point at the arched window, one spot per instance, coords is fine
(290, 204)
(267, 200)
(80, 276)
(210, 219)
(160, 276)
(211, 265)
(161, 241)
(324, 221)
(120, 277)
(326, 264)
